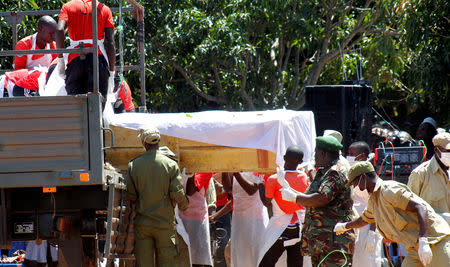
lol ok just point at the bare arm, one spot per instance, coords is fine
(227, 181)
(191, 188)
(60, 35)
(227, 208)
(110, 47)
(219, 188)
(248, 187)
(422, 216)
(358, 223)
(314, 200)
(262, 195)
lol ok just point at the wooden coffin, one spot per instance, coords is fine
(192, 155)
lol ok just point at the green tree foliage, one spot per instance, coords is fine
(427, 35)
(254, 54)
(258, 54)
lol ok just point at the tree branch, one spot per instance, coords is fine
(186, 76)
(348, 5)
(244, 83)
(297, 72)
(387, 32)
(194, 86)
(218, 83)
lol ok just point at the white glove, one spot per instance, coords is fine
(280, 178)
(425, 253)
(289, 194)
(184, 177)
(61, 67)
(371, 241)
(339, 228)
(111, 81)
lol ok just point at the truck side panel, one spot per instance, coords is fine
(47, 141)
(43, 134)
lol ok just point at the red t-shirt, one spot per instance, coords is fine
(298, 181)
(24, 78)
(78, 17)
(222, 200)
(125, 95)
(202, 180)
(20, 62)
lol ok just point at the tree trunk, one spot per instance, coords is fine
(314, 72)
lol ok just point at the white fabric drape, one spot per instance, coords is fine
(272, 130)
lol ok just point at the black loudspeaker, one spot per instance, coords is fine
(345, 108)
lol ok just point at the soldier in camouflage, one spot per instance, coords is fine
(327, 202)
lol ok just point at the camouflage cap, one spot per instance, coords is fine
(328, 143)
(442, 140)
(357, 170)
(149, 135)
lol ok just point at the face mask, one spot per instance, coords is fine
(445, 158)
(362, 194)
(365, 184)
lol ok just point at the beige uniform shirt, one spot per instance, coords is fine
(387, 207)
(432, 184)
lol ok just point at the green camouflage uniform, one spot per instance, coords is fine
(154, 181)
(318, 237)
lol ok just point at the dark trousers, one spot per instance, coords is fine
(20, 91)
(294, 257)
(79, 75)
(225, 223)
(49, 73)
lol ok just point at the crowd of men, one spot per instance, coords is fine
(315, 209)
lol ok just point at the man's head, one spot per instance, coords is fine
(334, 134)
(327, 150)
(149, 137)
(441, 144)
(293, 157)
(46, 29)
(362, 175)
(427, 129)
(359, 151)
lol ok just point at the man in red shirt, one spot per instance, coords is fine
(43, 39)
(124, 100)
(25, 76)
(76, 15)
(283, 232)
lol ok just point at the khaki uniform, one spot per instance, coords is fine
(431, 183)
(318, 237)
(387, 207)
(154, 181)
